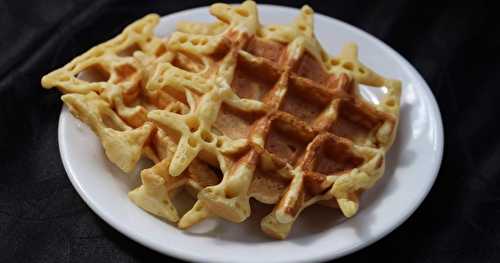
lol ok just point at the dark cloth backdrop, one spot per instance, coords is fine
(454, 46)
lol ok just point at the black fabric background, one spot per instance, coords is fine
(454, 46)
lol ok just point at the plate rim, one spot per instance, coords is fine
(181, 254)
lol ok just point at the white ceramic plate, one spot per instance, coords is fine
(319, 234)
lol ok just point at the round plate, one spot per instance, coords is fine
(319, 233)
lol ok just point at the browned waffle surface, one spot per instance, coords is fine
(233, 110)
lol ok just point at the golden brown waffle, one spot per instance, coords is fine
(278, 90)
(232, 111)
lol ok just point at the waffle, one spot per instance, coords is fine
(232, 110)
(104, 88)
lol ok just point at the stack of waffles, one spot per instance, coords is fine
(232, 110)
